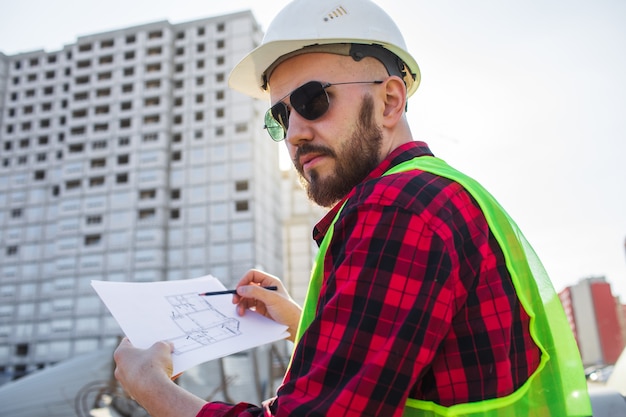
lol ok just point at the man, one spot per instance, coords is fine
(425, 299)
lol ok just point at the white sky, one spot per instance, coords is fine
(527, 97)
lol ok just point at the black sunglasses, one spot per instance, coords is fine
(310, 100)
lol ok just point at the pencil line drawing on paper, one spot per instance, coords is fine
(200, 322)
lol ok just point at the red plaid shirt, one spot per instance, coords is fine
(416, 302)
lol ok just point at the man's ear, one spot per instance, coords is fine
(395, 101)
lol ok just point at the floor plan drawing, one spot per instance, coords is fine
(200, 322)
(200, 328)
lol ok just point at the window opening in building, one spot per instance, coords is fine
(92, 240)
(147, 194)
(72, 184)
(76, 147)
(156, 50)
(96, 182)
(155, 67)
(21, 349)
(241, 185)
(152, 101)
(80, 113)
(147, 213)
(107, 59)
(102, 110)
(151, 119)
(241, 206)
(153, 84)
(94, 220)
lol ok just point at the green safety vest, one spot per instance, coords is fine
(557, 388)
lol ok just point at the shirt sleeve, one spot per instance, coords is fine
(220, 409)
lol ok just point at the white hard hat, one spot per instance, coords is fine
(357, 28)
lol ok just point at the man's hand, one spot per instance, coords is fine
(146, 375)
(277, 305)
(136, 367)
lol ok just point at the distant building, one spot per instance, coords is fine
(125, 157)
(597, 320)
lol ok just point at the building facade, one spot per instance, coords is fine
(125, 157)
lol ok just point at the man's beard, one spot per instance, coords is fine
(354, 160)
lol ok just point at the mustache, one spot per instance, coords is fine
(309, 148)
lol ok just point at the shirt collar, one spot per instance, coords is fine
(401, 154)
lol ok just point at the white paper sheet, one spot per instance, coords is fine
(202, 328)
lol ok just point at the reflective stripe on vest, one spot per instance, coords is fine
(558, 386)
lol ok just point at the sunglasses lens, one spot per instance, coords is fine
(310, 100)
(276, 119)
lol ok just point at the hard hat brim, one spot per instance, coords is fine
(247, 76)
